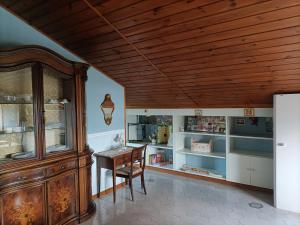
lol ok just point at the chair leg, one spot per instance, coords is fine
(131, 188)
(126, 181)
(143, 183)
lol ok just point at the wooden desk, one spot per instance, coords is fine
(111, 159)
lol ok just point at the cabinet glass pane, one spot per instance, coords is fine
(17, 139)
(58, 111)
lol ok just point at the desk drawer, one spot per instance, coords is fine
(21, 177)
(123, 160)
(60, 167)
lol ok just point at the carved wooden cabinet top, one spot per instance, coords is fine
(38, 98)
(31, 53)
(42, 138)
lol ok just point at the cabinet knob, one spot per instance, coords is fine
(62, 167)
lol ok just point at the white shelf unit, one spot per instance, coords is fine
(263, 154)
(212, 163)
(163, 166)
(165, 149)
(152, 149)
(252, 136)
(201, 133)
(220, 155)
(228, 156)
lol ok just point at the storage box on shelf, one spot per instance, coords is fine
(201, 147)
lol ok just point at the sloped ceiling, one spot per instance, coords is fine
(175, 53)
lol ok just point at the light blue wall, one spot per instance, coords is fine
(14, 32)
(96, 87)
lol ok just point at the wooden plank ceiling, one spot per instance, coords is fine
(180, 53)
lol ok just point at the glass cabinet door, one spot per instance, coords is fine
(17, 137)
(58, 113)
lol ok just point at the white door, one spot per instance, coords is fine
(262, 172)
(287, 151)
(238, 168)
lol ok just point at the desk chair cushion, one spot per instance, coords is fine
(126, 170)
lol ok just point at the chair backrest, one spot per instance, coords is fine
(138, 155)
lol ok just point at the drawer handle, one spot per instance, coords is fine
(22, 178)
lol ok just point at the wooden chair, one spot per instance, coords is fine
(135, 168)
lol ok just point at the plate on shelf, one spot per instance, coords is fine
(56, 148)
(4, 160)
(53, 101)
(54, 126)
(21, 155)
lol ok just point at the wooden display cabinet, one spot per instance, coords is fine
(45, 163)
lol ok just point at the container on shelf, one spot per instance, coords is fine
(201, 147)
(162, 134)
(208, 124)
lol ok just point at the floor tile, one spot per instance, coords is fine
(174, 200)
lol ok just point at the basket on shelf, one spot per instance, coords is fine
(201, 147)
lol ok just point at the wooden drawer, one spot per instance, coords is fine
(21, 177)
(60, 167)
(123, 160)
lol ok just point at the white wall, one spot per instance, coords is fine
(100, 142)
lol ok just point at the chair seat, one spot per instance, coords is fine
(126, 170)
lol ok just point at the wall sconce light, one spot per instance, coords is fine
(107, 107)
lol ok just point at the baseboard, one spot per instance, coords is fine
(210, 179)
(108, 191)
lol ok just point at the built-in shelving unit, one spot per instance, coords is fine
(160, 146)
(253, 153)
(252, 136)
(201, 133)
(206, 173)
(235, 140)
(190, 129)
(257, 136)
(221, 155)
(168, 166)
(155, 131)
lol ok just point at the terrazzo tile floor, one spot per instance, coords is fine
(173, 200)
